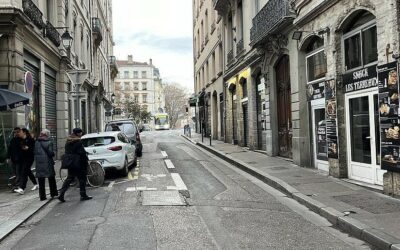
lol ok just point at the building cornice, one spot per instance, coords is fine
(314, 12)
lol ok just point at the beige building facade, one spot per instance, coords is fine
(305, 84)
(61, 98)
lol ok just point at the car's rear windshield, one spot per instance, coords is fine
(126, 128)
(98, 141)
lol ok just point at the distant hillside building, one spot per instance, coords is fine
(139, 82)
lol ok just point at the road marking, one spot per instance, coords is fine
(164, 154)
(169, 164)
(180, 185)
(133, 189)
(111, 184)
(130, 177)
(171, 188)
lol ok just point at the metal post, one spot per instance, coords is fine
(201, 131)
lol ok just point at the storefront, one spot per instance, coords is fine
(361, 99)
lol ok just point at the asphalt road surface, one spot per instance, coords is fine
(179, 197)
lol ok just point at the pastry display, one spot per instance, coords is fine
(384, 109)
(392, 133)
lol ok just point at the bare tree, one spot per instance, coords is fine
(176, 98)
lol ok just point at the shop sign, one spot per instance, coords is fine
(331, 119)
(360, 79)
(260, 87)
(389, 116)
(316, 91)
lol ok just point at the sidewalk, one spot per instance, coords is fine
(365, 214)
(15, 209)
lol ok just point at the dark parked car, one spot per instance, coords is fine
(130, 129)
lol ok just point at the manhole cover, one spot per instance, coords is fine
(162, 198)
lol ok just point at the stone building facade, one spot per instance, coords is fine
(31, 42)
(312, 86)
(140, 82)
(208, 68)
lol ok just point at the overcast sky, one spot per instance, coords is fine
(157, 29)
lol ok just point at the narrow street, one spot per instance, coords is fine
(179, 197)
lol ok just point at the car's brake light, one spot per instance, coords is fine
(115, 148)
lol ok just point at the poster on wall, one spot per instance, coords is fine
(360, 79)
(316, 91)
(331, 119)
(389, 116)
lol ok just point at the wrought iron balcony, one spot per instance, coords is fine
(221, 5)
(239, 48)
(230, 57)
(34, 13)
(275, 15)
(97, 30)
(113, 67)
(52, 34)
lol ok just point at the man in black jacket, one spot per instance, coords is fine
(74, 148)
(14, 156)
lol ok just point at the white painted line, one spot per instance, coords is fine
(151, 189)
(178, 181)
(131, 189)
(171, 188)
(169, 164)
(161, 175)
(111, 184)
(141, 188)
(164, 154)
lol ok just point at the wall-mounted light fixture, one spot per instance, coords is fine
(299, 33)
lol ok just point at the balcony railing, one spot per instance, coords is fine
(221, 5)
(230, 57)
(34, 13)
(113, 67)
(273, 16)
(206, 39)
(239, 48)
(52, 34)
(97, 30)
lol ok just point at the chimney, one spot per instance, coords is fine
(151, 62)
(130, 59)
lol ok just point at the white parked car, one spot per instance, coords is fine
(112, 149)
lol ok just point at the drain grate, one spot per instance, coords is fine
(162, 198)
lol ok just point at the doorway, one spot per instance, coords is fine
(363, 135)
(284, 111)
(320, 147)
(245, 124)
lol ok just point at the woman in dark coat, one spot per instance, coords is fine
(45, 164)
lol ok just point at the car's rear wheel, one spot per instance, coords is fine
(124, 171)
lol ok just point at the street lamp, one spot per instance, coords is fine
(66, 39)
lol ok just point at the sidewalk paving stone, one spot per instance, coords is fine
(362, 212)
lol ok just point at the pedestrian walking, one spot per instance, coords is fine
(25, 155)
(77, 157)
(14, 156)
(30, 142)
(44, 154)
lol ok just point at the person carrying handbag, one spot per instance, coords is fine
(44, 154)
(76, 161)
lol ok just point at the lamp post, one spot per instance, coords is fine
(66, 40)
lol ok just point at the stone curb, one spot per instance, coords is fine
(14, 222)
(375, 237)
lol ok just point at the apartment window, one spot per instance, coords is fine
(127, 87)
(135, 74)
(239, 28)
(360, 41)
(213, 65)
(135, 86)
(136, 98)
(144, 86)
(126, 74)
(315, 60)
(144, 98)
(144, 74)
(244, 88)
